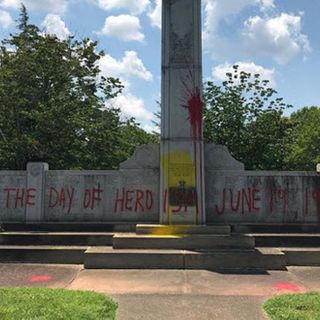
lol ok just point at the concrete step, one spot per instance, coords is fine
(43, 254)
(287, 239)
(259, 258)
(302, 256)
(110, 258)
(56, 238)
(275, 228)
(69, 227)
(185, 242)
(154, 229)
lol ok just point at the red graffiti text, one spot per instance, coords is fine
(20, 198)
(133, 200)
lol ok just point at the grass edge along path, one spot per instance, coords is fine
(55, 304)
(301, 306)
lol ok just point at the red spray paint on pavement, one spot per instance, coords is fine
(287, 287)
(39, 278)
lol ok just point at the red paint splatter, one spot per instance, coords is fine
(195, 108)
(195, 105)
(42, 278)
(287, 287)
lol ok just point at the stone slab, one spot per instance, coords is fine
(183, 242)
(287, 240)
(275, 227)
(109, 258)
(181, 229)
(42, 254)
(272, 259)
(302, 256)
(56, 238)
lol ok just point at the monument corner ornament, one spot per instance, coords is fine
(181, 165)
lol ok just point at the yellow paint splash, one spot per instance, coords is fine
(178, 167)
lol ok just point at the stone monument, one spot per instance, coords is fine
(181, 164)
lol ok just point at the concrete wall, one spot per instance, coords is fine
(271, 197)
(132, 193)
(13, 195)
(109, 196)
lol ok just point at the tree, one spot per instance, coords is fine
(52, 104)
(265, 147)
(243, 114)
(303, 141)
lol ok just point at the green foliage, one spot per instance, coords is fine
(294, 307)
(244, 115)
(265, 147)
(52, 104)
(55, 304)
(304, 140)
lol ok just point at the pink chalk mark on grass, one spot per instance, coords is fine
(39, 278)
(287, 287)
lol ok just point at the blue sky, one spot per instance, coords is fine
(280, 39)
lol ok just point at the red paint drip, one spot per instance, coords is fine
(195, 108)
(42, 278)
(287, 287)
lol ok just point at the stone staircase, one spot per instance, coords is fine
(183, 247)
(162, 247)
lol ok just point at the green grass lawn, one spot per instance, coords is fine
(54, 304)
(304, 306)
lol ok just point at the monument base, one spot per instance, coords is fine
(154, 229)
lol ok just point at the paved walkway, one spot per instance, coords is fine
(171, 294)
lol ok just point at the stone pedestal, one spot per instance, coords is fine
(182, 170)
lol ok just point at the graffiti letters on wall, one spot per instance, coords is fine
(278, 203)
(273, 202)
(67, 198)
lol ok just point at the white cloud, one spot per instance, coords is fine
(124, 27)
(129, 66)
(219, 10)
(220, 71)
(53, 24)
(215, 10)
(5, 19)
(151, 128)
(55, 6)
(132, 106)
(267, 4)
(280, 37)
(155, 14)
(133, 6)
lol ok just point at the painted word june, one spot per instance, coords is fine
(273, 201)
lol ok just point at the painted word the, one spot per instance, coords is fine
(133, 200)
(20, 197)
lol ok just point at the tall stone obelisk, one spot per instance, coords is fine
(182, 169)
